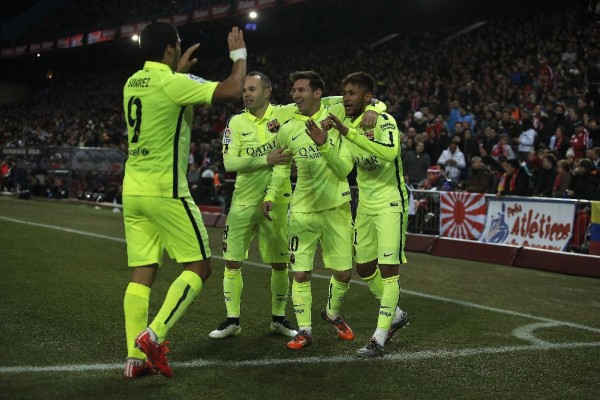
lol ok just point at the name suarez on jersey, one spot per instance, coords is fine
(138, 82)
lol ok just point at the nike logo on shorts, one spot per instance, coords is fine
(389, 254)
(295, 137)
(246, 133)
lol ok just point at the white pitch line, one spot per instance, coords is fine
(358, 282)
(395, 357)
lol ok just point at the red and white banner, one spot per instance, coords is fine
(462, 215)
(220, 11)
(8, 52)
(201, 15)
(542, 224)
(63, 43)
(47, 45)
(181, 19)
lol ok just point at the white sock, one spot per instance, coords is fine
(307, 329)
(380, 335)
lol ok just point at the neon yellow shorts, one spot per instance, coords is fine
(380, 237)
(332, 227)
(244, 222)
(153, 224)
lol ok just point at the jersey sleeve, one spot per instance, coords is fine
(187, 89)
(385, 138)
(338, 158)
(331, 100)
(281, 173)
(232, 149)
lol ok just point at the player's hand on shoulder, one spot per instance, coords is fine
(369, 119)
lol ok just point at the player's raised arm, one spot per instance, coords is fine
(231, 88)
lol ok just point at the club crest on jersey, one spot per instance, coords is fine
(273, 126)
(196, 78)
(370, 134)
(292, 258)
(227, 136)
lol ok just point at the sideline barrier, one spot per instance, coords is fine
(525, 257)
(474, 251)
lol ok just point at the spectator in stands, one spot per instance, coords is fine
(594, 156)
(514, 181)
(580, 140)
(559, 143)
(468, 145)
(454, 116)
(562, 182)
(453, 162)
(435, 179)
(193, 179)
(416, 162)
(541, 125)
(526, 140)
(570, 157)
(545, 179)
(594, 130)
(480, 179)
(503, 148)
(587, 182)
(488, 121)
(509, 126)
(433, 144)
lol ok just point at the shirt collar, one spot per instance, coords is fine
(316, 116)
(267, 115)
(157, 65)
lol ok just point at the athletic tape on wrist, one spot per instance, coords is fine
(238, 54)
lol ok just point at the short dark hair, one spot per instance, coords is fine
(155, 38)
(513, 162)
(360, 78)
(316, 82)
(263, 78)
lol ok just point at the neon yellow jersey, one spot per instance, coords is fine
(158, 106)
(320, 184)
(376, 154)
(247, 141)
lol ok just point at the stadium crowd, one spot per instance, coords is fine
(510, 108)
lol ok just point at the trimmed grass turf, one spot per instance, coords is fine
(62, 305)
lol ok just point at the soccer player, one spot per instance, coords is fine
(382, 214)
(249, 148)
(158, 209)
(319, 210)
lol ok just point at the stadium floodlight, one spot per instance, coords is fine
(135, 37)
(253, 14)
(38, 55)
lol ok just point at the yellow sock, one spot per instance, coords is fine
(232, 291)
(375, 283)
(337, 295)
(389, 301)
(302, 299)
(135, 306)
(280, 285)
(181, 295)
